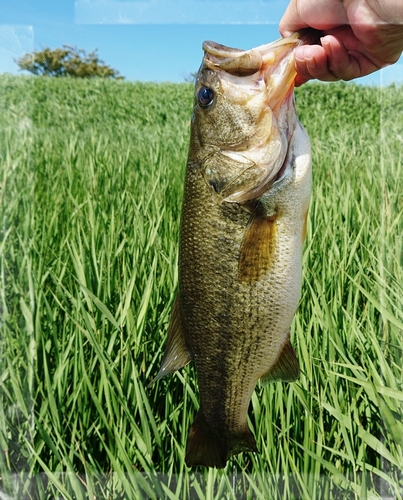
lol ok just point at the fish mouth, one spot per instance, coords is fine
(274, 62)
(267, 71)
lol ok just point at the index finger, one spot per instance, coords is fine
(321, 15)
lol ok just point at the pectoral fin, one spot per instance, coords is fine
(258, 249)
(176, 354)
(286, 369)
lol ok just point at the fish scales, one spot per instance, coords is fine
(243, 223)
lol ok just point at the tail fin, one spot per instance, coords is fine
(212, 448)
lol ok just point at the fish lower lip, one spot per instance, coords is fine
(279, 71)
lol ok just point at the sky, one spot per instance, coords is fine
(151, 40)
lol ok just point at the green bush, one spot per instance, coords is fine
(67, 61)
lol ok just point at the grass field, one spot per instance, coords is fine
(91, 185)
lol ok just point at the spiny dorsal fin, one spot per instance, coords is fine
(176, 354)
(286, 368)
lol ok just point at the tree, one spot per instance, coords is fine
(67, 61)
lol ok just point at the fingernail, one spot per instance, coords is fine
(324, 41)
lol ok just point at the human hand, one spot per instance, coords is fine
(357, 37)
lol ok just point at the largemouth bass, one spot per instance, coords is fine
(246, 198)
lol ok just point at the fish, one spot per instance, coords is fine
(242, 230)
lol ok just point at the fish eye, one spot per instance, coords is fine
(205, 97)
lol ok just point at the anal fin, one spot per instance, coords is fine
(286, 368)
(176, 354)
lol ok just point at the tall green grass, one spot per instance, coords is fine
(91, 185)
